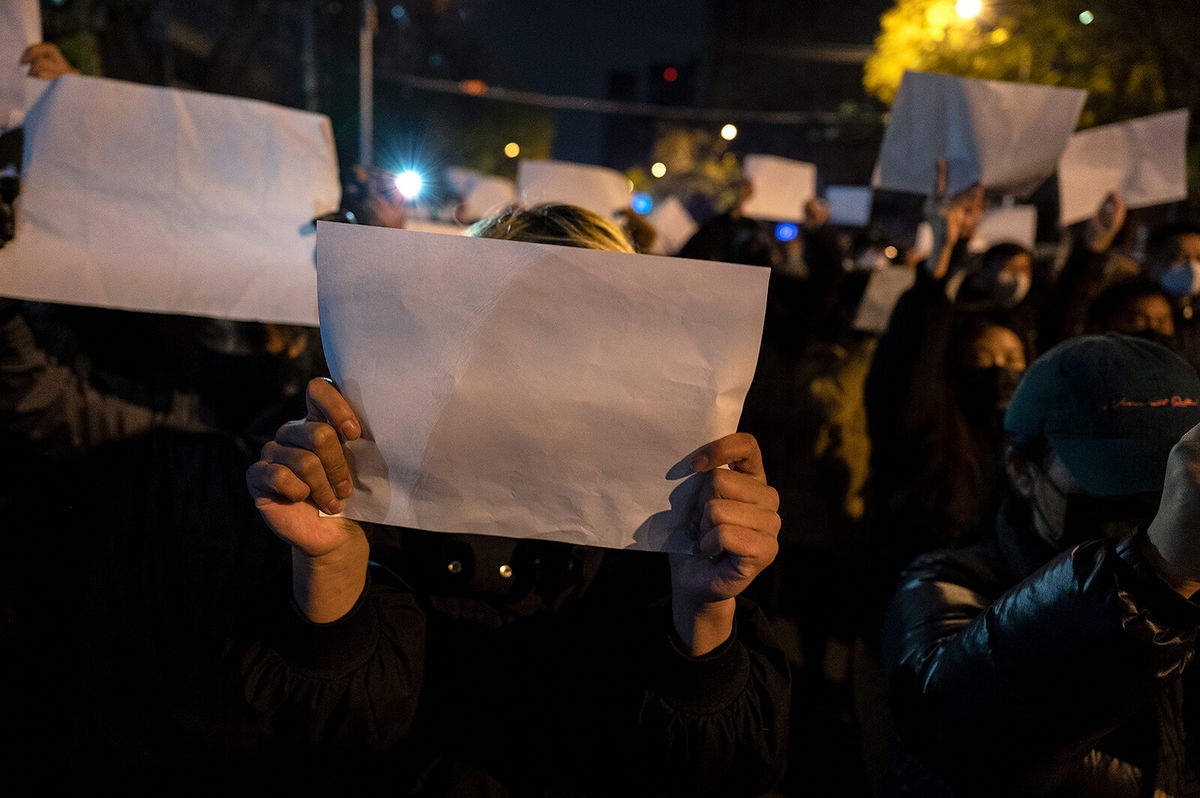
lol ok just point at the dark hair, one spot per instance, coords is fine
(1117, 296)
(1163, 237)
(997, 255)
(1030, 448)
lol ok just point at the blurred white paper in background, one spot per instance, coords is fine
(482, 195)
(169, 201)
(20, 26)
(1145, 160)
(530, 390)
(1012, 223)
(781, 187)
(1006, 135)
(596, 188)
(849, 206)
(884, 289)
(673, 224)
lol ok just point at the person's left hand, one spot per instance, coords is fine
(46, 61)
(1102, 228)
(737, 540)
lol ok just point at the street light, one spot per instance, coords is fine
(512, 149)
(658, 169)
(969, 9)
(729, 132)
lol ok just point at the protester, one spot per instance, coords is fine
(730, 236)
(467, 665)
(1173, 261)
(1135, 307)
(1053, 658)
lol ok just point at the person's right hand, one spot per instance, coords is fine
(1102, 228)
(304, 469)
(46, 61)
(1173, 538)
(950, 219)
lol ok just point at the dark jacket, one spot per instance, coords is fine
(487, 666)
(1075, 678)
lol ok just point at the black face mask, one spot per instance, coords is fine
(1094, 517)
(984, 393)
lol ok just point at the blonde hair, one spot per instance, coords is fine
(554, 223)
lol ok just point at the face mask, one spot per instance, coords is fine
(1012, 288)
(1181, 278)
(985, 392)
(1088, 517)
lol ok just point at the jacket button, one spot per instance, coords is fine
(506, 571)
(454, 567)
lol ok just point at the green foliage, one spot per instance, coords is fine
(1134, 58)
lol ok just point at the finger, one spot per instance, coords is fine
(39, 50)
(739, 451)
(723, 512)
(326, 403)
(307, 467)
(1191, 436)
(734, 541)
(322, 440)
(740, 487)
(274, 481)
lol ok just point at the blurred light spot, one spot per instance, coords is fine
(729, 132)
(629, 184)
(512, 149)
(473, 87)
(435, 60)
(642, 203)
(670, 74)
(938, 16)
(1087, 17)
(1000, 36)
(890, 252)
(968, 9)
(397, 12)
(658, 169)
(409, 184)
(786, 231)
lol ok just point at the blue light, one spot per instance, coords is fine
(786, 231)
(397, 12)
(642, 203)
(409, 184)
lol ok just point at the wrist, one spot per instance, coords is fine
(327, 586)
(1183, 583)
(702, 626)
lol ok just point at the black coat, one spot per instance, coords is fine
(1009, 679)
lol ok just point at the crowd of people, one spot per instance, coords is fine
(960, 557)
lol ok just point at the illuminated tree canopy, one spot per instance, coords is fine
(1134, 58)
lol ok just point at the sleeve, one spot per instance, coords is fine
(1016, 692)
(714, 725)
(56, 409)
(351, 685)
(1065, 312)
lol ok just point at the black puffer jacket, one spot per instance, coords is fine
(1072, 679)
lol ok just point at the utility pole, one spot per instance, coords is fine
(308, 48)
(366, 78)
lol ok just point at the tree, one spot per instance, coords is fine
(1133, 58)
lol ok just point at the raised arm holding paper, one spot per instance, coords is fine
(542, 667)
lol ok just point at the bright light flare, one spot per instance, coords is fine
(658, 169)
(968, 9)
(786, 231)
(729, 132)
(512, 149)
(1087, 17)
(409, 184)
(642, 203)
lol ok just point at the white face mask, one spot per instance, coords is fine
(1011, 288)
(1181, 278)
